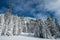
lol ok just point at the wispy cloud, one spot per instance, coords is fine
(34, 8)
(54, 6)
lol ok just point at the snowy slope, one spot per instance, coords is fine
(22, 38)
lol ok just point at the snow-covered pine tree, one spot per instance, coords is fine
(57, 28)
(51, 26)
(38, 28)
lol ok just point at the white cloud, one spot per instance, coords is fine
(54, 6)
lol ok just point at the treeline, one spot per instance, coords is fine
(49, 28)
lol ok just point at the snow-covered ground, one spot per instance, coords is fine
(22, 38)
(27, 34)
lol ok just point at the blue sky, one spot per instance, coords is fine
(32, 8)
